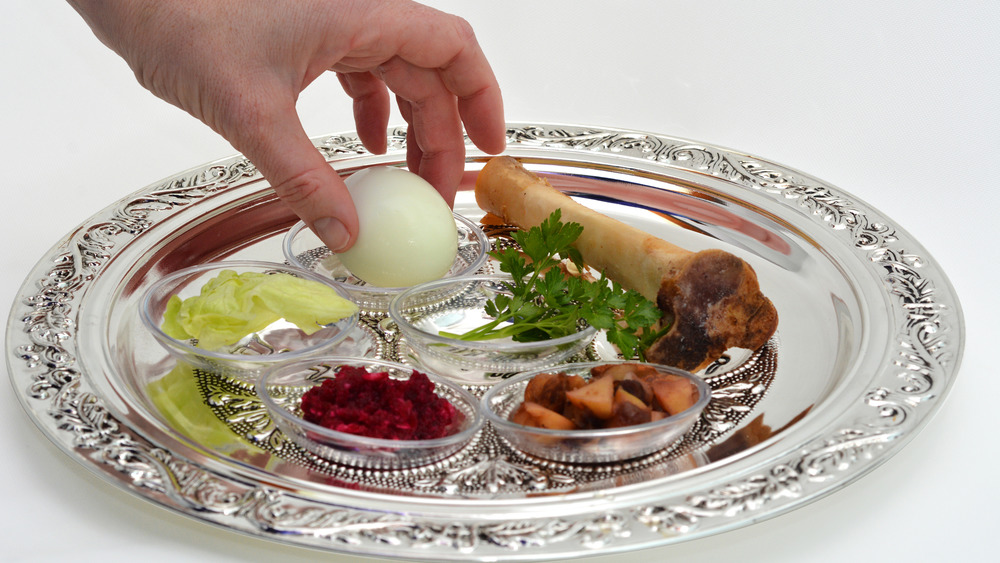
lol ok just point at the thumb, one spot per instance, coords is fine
(300, 176)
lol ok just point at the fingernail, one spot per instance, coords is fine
(332, 232)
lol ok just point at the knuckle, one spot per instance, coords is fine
(299, 189)
(247, 114)
(464, 31)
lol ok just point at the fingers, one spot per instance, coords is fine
(442, 163)
(272, 137)
(435, 143)
(243, 81)
(433, 64)
(450, 47)
(480, 103)
(371, 107)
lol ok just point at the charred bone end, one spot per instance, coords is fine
(715, 304)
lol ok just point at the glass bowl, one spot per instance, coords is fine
(456, 305)
(281, 390)
(604, 445)
(304, 249)
(280, 341)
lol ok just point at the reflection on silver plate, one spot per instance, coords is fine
(869, 342)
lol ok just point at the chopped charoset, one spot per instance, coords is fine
(616, 395)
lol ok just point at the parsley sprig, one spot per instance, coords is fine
(544, 302)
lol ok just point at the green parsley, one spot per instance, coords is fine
(545, 303)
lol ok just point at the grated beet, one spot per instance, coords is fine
(377, 406)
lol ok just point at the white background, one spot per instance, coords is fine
(895, 102)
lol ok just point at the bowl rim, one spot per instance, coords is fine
(485, 246)
(464, 435)
(499, 422)
(147, 318)
(398, 317)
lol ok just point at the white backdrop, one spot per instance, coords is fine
(895, 102)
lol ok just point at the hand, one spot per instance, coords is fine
(239, 66)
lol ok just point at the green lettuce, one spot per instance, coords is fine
(233, 305)
(180, 401)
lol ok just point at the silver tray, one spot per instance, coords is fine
(869, 342)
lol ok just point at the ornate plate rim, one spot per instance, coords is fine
(899, 400)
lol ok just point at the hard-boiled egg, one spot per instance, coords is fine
(406, 231)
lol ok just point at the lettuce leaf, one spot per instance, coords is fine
(233, 305)
(180, 401)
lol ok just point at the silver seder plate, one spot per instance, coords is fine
(869, 342)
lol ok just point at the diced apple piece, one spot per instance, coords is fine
(523, 417)
(549, 389)
(657, 415)
(628, 410)
(546, 389)
(596, 396)
(546, 418)
(617, 371)
(674, 393)
(574, 382)
(622, 395)
(645, 371)
(637, 387)
(582, 418)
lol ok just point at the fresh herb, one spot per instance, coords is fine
(545, 303)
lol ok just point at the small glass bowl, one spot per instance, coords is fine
(457, 305)
(247, 359)
(587, 446)
(304, 249)
(281, 390)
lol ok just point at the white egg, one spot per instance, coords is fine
(406, 231)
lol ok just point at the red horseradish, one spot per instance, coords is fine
(374, 405)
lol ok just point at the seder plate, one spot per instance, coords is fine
(869, 342)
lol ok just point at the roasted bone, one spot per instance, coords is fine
(711, 297)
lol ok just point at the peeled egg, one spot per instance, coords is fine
(406, 231)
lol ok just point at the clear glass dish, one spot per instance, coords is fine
(281, 391)
(605, 445)
(281, 341)
(456, 305)
(302, 248)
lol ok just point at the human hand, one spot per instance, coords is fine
(239, 66)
